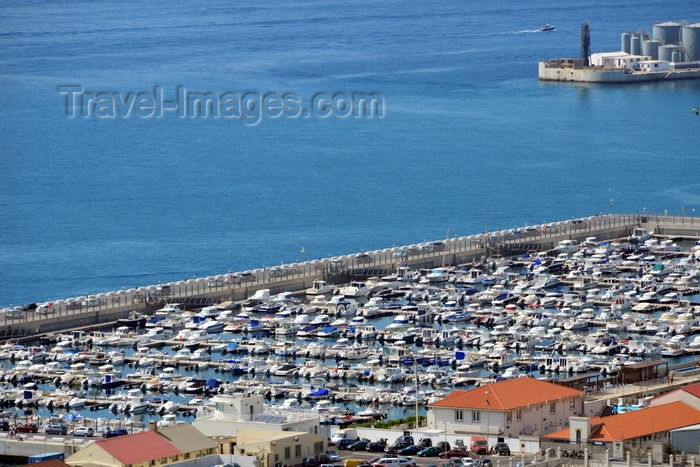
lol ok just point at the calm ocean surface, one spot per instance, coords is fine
(91, 205)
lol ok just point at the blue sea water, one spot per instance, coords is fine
(469, 135)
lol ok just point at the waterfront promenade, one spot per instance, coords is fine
(109, 306)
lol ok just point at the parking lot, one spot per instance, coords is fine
(503, 461)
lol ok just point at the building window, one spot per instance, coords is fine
(476, 417)
(297, 450)
(287, 453)
(318, 447)
(277, 458)
(553, 408)
(519, 415)
(572, 404)
(509, 416)
(459, 415)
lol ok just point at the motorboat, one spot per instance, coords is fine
(212, 326)
(355, 289)
(547, 28)
(169, 310)
(438, 275)
(319, 288)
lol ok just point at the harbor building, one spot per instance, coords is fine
(273, 447)
(151, 448)
(640, 432)
(231, 413)
(506, 409)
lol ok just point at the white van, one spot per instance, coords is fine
(342, 434)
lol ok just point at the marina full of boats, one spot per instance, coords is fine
(379, 346)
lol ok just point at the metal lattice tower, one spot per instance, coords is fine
(586, 44)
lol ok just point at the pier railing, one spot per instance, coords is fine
(102, 307)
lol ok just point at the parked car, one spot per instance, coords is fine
(15, 312)
(56, 429)
(364, 258)
(425, 442)
(111, 433)
(27, 428)
(333, 455)
(431, 451)
(163, 289)
(4, 425)
(309, 462)
(453, 453)
(358, 446)
(91, 302)
(410, 450)
(344, 443)
(443, 445)
(502, 449)
(84, 431)
(396, 447)
(29, 307)
(323, 459)
(468, 462)
(385, 456)
(45, 309)
(407, 462)
(377, 446)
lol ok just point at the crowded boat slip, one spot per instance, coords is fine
(376, 346)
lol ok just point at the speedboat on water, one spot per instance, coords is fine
(548, 28)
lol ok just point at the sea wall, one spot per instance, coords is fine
(110, 306)
(599, 75)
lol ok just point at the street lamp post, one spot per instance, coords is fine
(445, 445)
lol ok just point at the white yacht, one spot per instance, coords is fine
(355, 289)
(319, 288)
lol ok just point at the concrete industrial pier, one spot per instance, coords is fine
(107, 307)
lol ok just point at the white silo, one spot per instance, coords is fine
(690, 35)
(626, 36)
(668, 32)
(651, 49)
(636, 44)
(666, 52)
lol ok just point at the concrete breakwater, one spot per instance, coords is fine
(107, 307)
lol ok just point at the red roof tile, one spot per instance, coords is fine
(139, 447)
(693, 389)
(507, 395)
(638, 423)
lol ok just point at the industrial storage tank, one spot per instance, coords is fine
(651, 49)
(676, 56)
(667, 33)
(626, 36)
(666, 51)
(636, 45)
(690, 35)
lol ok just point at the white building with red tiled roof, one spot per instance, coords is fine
(636, 431)
(152, 448)
(506, 409)
(689, 394)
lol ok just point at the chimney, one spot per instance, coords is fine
(153, 426)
